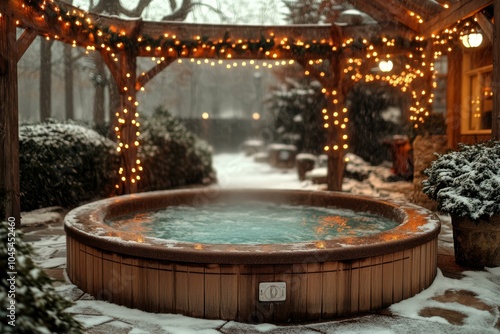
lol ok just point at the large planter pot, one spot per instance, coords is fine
(477, 243)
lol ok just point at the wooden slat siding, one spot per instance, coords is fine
(97, 271)
(166, 292)
(196, 290)
(387, 279)
(314, 290)
(435, 259)
(398, 277)
(138, 283)
(245, 294)
(329, 290)
(354, 284)
(116, 279)
(127, 293)
(107, 269)
(263, 310)
(431, 256)
(407, 273)
(423, 267)
(365, 284)
(181, 304)
(343, 287)
(283, 273)
(89, 265)
(82, 265)
(69, 260)
(229, 281)
(376, 283)
(214, 292)
(68, 257)
(74, 258)
(152, 292)
(415, 271)
(298, 307)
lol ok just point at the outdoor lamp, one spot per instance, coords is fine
(385, 66)
(472, 39)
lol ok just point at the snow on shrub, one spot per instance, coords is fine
(37, 308)
(171, 155)
(466, 183)
(64, 164)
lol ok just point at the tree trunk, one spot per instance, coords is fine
(68, 82)
(99, 84)
(45, 79)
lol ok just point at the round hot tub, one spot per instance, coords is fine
(283, 282)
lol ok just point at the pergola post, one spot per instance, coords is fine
(128, 98)
(335, 174)
(9, 119)
(495, 129)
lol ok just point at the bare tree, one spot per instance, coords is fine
(45, 79)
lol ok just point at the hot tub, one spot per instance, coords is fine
(305, 281)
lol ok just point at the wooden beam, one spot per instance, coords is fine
(184, 30)
(486, 26)
(495, 129)
(10, 205)
(454, 97)
(398, 13)
(425, 9)
(113, 67)
(143, 79)
(367, 7)
(24, 41)
(457, 11)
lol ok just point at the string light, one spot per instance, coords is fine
(167, 46)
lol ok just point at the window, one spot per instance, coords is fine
(478, 102)
(439, 102)
(477, 94)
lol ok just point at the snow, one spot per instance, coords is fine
(236, 170)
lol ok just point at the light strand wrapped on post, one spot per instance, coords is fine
(78, 28)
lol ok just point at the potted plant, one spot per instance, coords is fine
(466, 184)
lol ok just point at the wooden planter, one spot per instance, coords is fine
(477, 243)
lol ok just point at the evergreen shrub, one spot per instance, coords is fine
(64, 164)
(466, 183)
(172, 156)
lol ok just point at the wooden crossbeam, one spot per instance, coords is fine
(24, 41)
(486, 25)
(143, 79)
(457, 11)
(399, 13)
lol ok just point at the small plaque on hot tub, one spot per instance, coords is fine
(272, 291)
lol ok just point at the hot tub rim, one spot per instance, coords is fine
(304, 252)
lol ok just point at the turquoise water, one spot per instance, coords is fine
(256, 223)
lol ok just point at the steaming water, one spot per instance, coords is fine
(256, 223)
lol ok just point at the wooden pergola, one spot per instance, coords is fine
(120, 42)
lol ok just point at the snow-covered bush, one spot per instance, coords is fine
(29, 300)
(297, 106)
(171, 155)
(64, 164)
(466, 183)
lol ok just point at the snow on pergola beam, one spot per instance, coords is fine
(458, 11)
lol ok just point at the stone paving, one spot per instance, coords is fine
(47, 230)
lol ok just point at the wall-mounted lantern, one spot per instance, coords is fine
(472, 39)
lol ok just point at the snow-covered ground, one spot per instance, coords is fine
(475, 311)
